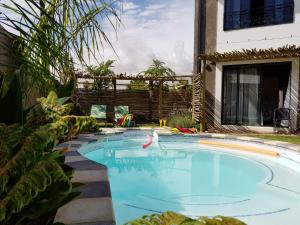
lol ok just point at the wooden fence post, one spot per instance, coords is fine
(160, 99)
(202, 97)
(114, 96)
(151, 100)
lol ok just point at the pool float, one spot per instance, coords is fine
(175, 130)
(185, 130)
(148, 143)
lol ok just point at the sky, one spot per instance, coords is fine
(160, 29)
(152, 29)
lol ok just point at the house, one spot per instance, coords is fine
(6, 59)
(247, 56)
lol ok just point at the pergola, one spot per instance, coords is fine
(288, 51)
(124, 77)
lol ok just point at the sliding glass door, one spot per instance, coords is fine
(241, 94)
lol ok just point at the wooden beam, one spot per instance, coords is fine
(160, 99)
(150, 100)
(177, 78)
(203, 97)
(291, 51)
(298, 108)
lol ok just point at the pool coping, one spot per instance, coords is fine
(94, 206)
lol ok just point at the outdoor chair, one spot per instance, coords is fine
(99, 112)
(282, 118)
(121, 112)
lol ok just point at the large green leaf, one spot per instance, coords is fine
(171, 218)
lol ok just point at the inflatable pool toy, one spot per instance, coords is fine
(185, 130)
(175, 130)
(148, 143)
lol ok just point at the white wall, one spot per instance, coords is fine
(276, 35)
(294, 82)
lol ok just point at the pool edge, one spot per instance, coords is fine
(94, 206)
(80, 164)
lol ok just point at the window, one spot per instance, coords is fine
(252, 13)
(241, 89)
(251, 93)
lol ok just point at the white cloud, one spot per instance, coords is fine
(163, 30)
(166, 34)
(129, 6)
(152, 10)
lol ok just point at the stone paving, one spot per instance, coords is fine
(94, 205)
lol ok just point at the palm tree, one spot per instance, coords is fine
(158, 69)
(51, 35)
(104, 69)
(54, 33)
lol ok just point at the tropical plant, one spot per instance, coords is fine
(30, 172)
(158, 69)
(104, 69)
(169, 218)
(140, 85)
(52, 34)
(181, 119)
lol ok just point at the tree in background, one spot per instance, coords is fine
(104, 69)
(140, 85)
(158, 69)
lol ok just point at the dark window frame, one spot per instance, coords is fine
(225, 28)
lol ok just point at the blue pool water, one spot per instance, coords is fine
(182, 176)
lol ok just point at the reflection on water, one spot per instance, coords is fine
(164, 177)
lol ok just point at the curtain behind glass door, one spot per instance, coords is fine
(230, 96)
(248, 96)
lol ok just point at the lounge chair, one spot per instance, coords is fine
(99, 112)
(122, 114)
(282, 118)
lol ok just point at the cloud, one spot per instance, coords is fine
(129, 6)
(152, 9)
(163, 31)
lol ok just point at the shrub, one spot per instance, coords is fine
(30, 172)
(183, 119)
(177, 219)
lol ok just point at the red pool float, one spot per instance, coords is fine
(148, 143)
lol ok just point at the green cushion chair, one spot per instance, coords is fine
(99, 112)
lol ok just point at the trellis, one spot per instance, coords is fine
(288, 51)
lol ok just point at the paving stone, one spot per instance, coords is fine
(86, 176)
(295, 148)
(70, 159)
(86, 165)
(72, 153)
(246, 138)
(274, 142)
(95, 190)
(86, 210)
(219, 135)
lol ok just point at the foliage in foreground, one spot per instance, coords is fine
(169, 218)
(34, 182)
(183, 119)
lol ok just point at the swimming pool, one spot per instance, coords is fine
(178, 174)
